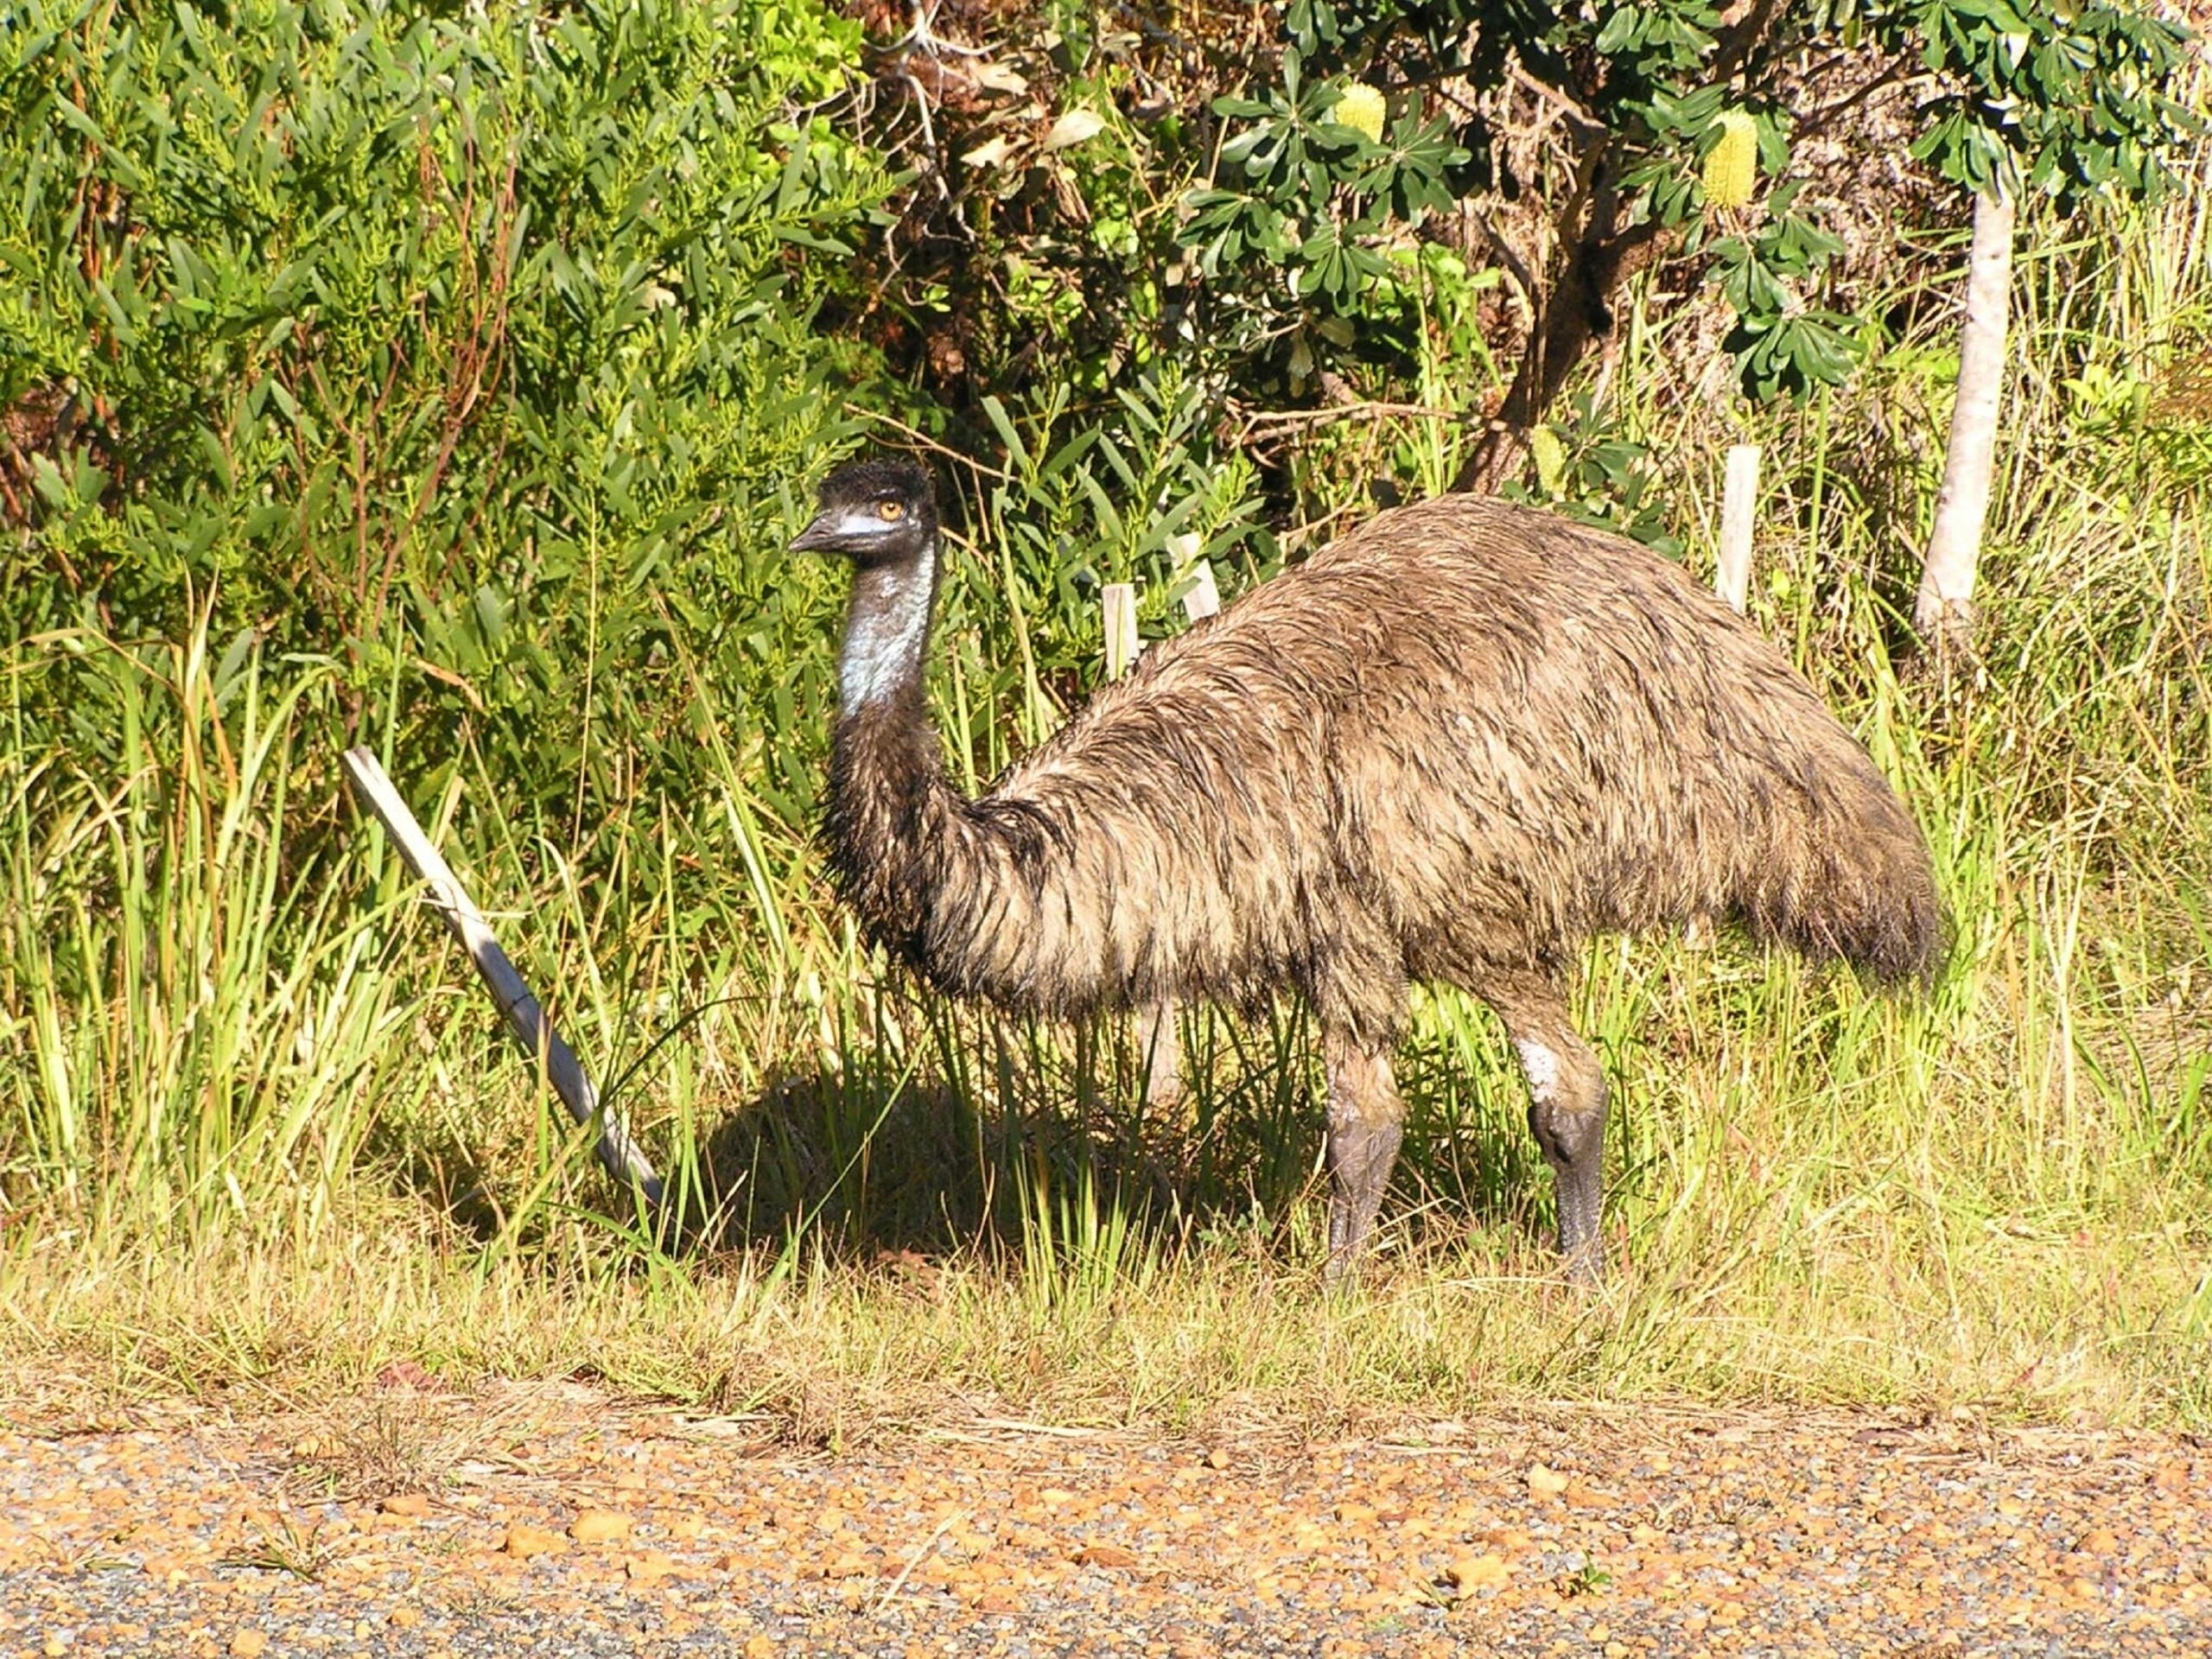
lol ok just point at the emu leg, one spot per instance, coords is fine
(1159, 1056)
(1366, 1121)
(1566, 1113)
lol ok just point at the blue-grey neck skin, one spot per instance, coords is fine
(888, 632)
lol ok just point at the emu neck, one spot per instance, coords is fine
(887, 634)
(889, 801)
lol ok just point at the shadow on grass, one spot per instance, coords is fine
(989, 1127)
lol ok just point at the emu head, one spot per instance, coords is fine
(875, 512)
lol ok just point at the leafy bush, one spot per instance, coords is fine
(470, 350)
(1306, 190)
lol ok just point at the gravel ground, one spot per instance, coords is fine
(530, 1522)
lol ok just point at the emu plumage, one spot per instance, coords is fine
(1452, 745)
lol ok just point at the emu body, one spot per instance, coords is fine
(1452, 745)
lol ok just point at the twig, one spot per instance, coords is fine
(915, 1561)
(923, 37)
(1269, 422)
(1893, 78)
(1590, 125)
(923, 441)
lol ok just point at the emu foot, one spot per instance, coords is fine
(1585, 1266)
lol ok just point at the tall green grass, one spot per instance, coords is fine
(192, 1011)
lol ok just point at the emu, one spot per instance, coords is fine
(1452, 746)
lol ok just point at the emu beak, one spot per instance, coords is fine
(818, 537)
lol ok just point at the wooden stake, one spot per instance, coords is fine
(1203, 599)
(1732, 579)
(1119, 602)
(617, 1153)
(1158, 1047)
(1160, 1054)
(1739, 507)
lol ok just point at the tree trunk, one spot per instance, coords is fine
(1944, 612)
(1575, 309)
(1567, 317)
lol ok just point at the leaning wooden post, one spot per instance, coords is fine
(1739, 505)
(617, 1152)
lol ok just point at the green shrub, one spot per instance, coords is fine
(472, 351)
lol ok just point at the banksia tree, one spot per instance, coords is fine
(1635, 119)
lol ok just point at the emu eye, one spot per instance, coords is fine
(889, 511)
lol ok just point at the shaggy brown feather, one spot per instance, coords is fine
(1452, 745)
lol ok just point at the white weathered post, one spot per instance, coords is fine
(1156, 1034)
(1203, 599)
(1944, 611)
(1732, 579)
(1740, 507)
(524, 1017)
(1119, 602)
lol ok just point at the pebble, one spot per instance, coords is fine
(1545, 1482)
(1469, 1573)
(1105, 1556)
(525, 1541)
(599, 1527)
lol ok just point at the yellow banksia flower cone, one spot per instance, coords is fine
(1360, 107)
(1731, 165)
